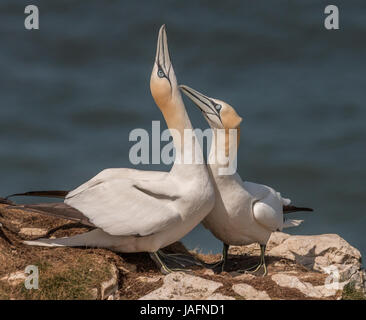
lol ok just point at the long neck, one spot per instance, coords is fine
(179, 124)
(223, 153)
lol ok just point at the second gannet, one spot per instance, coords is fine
(244, 212)
(134, 210)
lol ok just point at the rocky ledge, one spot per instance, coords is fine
(299, 267)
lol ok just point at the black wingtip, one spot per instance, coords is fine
(6, 201)
(290, 209)
(49, 194)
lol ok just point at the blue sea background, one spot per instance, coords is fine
(72, 91)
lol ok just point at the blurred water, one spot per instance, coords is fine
(72, 91)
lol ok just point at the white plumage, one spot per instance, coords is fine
(244, 212)
(135, 210)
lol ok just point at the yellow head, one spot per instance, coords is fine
(219, 114)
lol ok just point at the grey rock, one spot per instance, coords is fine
(290, 281)
(319, 252)
(182, 286)
(33, 232)
(250, 293)
(219, 296)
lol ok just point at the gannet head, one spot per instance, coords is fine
(163, 83)
(219, 114)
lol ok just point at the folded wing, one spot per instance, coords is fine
(127, 207)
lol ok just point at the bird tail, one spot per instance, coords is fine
(94, 238)
(289, 209)
(6, 201)
(290, 223)
(49, 194)
(58, 209)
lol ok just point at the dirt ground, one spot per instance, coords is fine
(72, 273)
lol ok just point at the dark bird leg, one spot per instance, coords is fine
(222, 262)
(161, 264)
(225, 251)
(182, 259)
(262, 263)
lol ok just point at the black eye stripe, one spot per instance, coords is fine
(210, 107)
(161, 74)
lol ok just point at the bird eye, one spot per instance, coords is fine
(161, 73)
(218, 107)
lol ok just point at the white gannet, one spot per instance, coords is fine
(244, 212)
(135, 210)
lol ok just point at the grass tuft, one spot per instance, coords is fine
(72, 281)
(351, 293)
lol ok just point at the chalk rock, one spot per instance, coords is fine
(250, 293)
(182, 286)
(319, 252)
(152, 279)
(244, 276)
(276, 239)
(209, 272)
(219, 296)
(34, 232)
(307, 288)
(14, 278)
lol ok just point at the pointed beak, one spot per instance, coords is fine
(204, 103)
(162, 58)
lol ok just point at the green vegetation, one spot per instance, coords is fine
(73, 280)
(351, 293)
